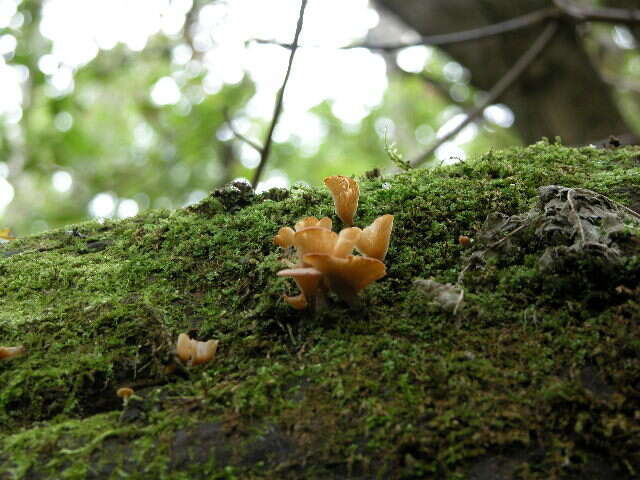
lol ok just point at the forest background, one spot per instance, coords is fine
(108, 108)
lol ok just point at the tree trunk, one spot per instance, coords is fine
(560, 94)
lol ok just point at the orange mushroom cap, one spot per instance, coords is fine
(124, 392)
(10, 352)
(5, 234)
(374, 239)
(194, 352)
(314, 240)
(345, 192)
(284, 237)
(308, 280)
(347, 276)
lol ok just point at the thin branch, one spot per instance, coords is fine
(500, 28)
(579, 14)
(513, 24)
(498, 89)
(238, 135)
(564, 10)
(279, 101)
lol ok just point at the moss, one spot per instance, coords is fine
(528, 380)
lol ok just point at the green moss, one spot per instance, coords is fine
(531, 379)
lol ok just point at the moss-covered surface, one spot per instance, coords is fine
(527, 380)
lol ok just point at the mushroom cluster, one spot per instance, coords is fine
(325, 259)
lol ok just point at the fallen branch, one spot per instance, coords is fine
(498, 89)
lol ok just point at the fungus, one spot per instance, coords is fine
(284, 237)
(5, 235)
(347, 276)
(124, 393)
(345, 192)
(374, 239)
(465, 241)
(192, 352)
(7, 353)
(308, 280)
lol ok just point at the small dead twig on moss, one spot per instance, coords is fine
(279, 100)
(498, 89)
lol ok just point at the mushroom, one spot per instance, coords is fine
(9, 352)
(284, 237)
(347, 276)
(192, 352)
(345, 192)
(374, 239)
(5, 235)
(124, 393)
(308, 280)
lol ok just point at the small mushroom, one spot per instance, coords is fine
(465, 241)
(347, 276)
(124, 393)
(284, 237)
(5, 235)
(192, 352)
(374, 239)
(308, 280)
(7, 353)
(345, 192)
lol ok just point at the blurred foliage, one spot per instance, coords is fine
(111, 138)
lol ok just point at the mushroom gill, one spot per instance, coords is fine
(345, 192)
(308, 280)
(374, 239)
(9, 352)
(193, 352)
(347, 276)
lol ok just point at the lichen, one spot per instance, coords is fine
(528, 379)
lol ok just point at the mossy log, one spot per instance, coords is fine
(535, 374)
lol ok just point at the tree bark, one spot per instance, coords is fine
(560, 94)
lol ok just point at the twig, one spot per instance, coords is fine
(499, 88)
(238, 135)
(510, 25)
(279, 101)
(564, 10)
(579, 14)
